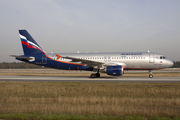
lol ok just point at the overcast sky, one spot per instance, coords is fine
(92, 26)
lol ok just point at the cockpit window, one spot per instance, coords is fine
(163, 57)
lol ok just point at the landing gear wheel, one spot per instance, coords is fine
(97, 75)
(93, 75)
(150, 76)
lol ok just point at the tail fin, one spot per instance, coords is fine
(29, 44)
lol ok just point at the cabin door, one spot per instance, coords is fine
(151, 58)
(44, 59)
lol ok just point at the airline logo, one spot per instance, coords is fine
(29, 44)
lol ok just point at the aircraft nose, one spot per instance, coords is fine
(171, 63)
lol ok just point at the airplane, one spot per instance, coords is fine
(112, 63)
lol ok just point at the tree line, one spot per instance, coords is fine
(176, 64)
(17, 65)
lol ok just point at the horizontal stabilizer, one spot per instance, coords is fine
(22, 57)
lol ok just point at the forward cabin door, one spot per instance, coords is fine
(151, 58)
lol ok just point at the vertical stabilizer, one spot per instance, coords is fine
(30, 46)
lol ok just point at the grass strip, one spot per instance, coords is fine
(94, 99)
(35, 116)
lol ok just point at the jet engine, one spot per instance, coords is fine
(115, 70)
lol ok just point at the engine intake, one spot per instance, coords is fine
(115, 70)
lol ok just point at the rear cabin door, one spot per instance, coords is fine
(44, 59)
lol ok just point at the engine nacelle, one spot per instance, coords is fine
(115, 70)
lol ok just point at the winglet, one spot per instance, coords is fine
(58, 56)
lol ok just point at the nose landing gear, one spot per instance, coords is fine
(150, 74)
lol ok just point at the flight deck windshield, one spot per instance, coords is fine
(163, 57)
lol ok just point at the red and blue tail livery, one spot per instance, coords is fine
(29, 44)
(110, 63)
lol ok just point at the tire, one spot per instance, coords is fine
(97, 75)
(150, 76)
(93, 75)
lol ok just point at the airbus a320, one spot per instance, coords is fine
(113, 63)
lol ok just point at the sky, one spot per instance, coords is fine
(68, 26)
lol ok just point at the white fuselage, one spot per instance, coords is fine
(138, 60)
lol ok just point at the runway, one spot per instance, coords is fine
(86, 79)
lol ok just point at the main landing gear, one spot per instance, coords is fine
(150, 74)
(94, 75)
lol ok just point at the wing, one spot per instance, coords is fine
(87, 62)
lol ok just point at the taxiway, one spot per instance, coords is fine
(86, 79)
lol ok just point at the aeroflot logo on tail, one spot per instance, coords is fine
(29, 43)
